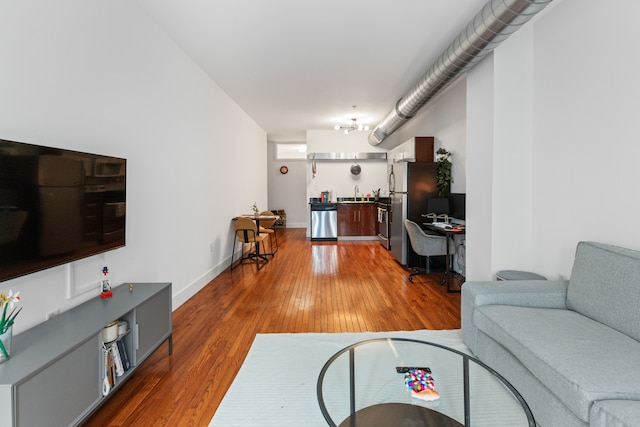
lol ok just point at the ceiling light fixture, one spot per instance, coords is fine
(353, 126)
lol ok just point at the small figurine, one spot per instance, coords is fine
(106, 284)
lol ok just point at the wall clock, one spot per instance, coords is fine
(284, 170)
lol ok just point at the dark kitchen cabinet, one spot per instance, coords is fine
(346, 219)
(357, 219)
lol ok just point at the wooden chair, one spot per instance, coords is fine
(426, 245)
(268, 226)
(246, 232)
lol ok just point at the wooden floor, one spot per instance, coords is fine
(306, 287)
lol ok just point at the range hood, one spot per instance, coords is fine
(348, 156)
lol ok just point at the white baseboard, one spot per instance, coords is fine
(195, 286)
(296, 225)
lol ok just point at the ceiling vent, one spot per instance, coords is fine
(497, 20)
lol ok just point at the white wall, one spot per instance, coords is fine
(445, 119)
(101, 77)
(288, 191)
(480, 154)
(335, 175)
(512, 152)
(586, 144)
(293, 190)
(564, 96)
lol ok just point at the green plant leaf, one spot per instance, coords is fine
(443, 172)
(4, 314)
(4, 350)
(13, 316)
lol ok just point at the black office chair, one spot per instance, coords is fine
(426, 245)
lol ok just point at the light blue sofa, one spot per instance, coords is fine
(571, 348)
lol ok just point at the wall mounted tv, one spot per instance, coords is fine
(57, 206)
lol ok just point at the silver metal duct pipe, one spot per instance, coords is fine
(497, 20)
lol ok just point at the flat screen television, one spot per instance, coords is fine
(57, 206)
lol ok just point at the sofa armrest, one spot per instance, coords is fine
(523, 293)
(618, 413)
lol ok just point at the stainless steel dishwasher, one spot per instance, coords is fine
(324, 221)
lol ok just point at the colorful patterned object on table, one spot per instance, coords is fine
(421, 384)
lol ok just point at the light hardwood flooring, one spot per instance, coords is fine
(307, 287)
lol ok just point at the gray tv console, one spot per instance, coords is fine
(55, 374)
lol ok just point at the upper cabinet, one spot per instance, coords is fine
(417, 149)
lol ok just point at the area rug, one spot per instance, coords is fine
(276, 385)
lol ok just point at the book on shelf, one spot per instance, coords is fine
(117, 361)
(109, 374)
(123, 355)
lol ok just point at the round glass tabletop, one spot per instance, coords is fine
(364, 385)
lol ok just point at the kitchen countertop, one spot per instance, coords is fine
(317, 200)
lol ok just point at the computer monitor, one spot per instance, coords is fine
(457, 205)
(438, 205)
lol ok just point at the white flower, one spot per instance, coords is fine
(13, 299)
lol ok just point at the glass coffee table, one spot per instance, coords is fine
(361, 386)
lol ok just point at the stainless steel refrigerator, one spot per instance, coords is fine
(410, 185)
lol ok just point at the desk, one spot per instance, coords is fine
(448, 232)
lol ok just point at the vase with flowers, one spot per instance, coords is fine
(7, 302)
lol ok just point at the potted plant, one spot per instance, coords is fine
(443, 172)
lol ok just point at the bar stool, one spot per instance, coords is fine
(246, 232)
(268, 226)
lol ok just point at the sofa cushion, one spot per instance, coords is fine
(578, 359)
(615, 413)
(604, 286)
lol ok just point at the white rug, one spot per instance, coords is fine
(276, 385)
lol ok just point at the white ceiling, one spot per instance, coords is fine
(296, 65)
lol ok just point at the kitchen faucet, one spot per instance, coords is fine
(355, 196)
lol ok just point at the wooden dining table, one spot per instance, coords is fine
(257, 218)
